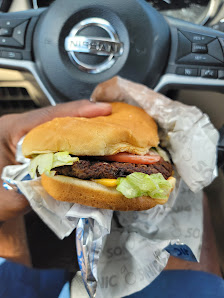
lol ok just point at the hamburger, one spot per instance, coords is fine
(110, 162)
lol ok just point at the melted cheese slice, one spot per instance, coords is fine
(113, 182)
(106, 182)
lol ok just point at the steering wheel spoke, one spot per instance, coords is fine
(196, 57)
(16, 34)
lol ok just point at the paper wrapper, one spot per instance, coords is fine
(120, 253)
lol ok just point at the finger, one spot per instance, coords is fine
(94, 109)
(81, 108)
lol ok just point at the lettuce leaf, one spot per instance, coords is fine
(140, 184)
(162, 153)
(47, 161)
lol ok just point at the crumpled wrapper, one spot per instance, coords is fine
(120, 253)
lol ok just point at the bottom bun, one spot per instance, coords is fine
(93, 194)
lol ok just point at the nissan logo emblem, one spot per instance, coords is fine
(110, 47)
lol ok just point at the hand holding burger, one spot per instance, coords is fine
(14, 126)
(110, 162)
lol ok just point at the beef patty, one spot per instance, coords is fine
(87, 169)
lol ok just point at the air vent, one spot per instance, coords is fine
(15, 100)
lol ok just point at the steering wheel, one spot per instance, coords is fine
(73, 45)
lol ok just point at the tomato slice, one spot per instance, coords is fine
(132, 158)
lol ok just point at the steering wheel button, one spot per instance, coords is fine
(191, 72)
(221, 74)
(199, 59)
(5, 31)
(11, 23)
(11, 55)
(184, 46)
(199, 48)
(209, 73)
(215, 50)
(9, 42)
(198, 38)
(19, 32)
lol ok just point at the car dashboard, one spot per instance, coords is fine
(195, 11)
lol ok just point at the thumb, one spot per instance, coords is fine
(80, 108)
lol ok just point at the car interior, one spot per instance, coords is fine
(175, 47)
